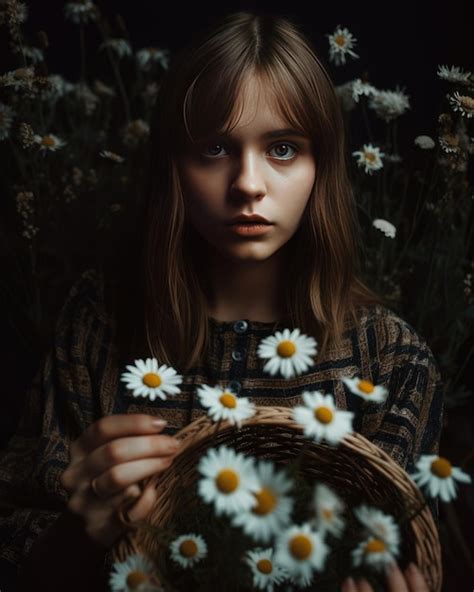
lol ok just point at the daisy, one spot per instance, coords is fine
(328, 508)
(111, 156)
(366, 389)
(372, 552)
(273, 508)
(49, 142)
(360, 88)
(80, 11)
(19, 78)
(437, 476)
(389, 104)
(222, 404)
(128, 575)
(14, 13)
(462, 103)
(266, 573)
(135, 131)
(6, 120)
(453, 74)
(148, 55)
(320, 418)
(424, 142)
(57, 87)
(121, 47)
(449, 143)
(341, 43)
(384, 226)
(301, 550)
(229, 480)
(369, 157)
(145, 379)
(188, 549)
(289, 352)
(379, 525)
(34, 54)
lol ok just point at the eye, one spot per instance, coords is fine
(284, 144)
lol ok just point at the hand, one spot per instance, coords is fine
(117, 452)
(411, 581)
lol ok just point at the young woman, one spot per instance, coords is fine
(247, 124)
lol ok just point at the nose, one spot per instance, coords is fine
(248, 182)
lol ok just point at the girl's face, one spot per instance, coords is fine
(249, 172)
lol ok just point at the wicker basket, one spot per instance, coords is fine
(356, 467)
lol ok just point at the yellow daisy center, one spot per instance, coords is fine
(467, 102)
(48, 141)
(340, 40)
(227, 481)
(265, 566)
(323, 414)
(286, 349)
(151, 379)
(327, 514)
(21, 73)
(441, 467)
(370, 156)
(266, 501)
(365, 386)
(228, 400)
(135, 578)
(301, 547)
(188, 548)
(375, 546)
(152, 50)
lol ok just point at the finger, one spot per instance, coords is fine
(143, 506)
(415, 579)
(120, 476)
(364, 586)
(395, 579)
(123, 450)
(114, 426)
(348, 585)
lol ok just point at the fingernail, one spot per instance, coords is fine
(158, 423)
(411, 568)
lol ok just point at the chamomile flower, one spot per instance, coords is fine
(48, 142)
(149, 55)
(6, 120)
(301, 550)
(135, 132)
(128, 575)
(462, 103)
(385, 226)
(320, 418)
(222, 404)
(289, 352)
(328, 509)
(80, 11)
(389, 104)
(34, 54)
(111, 156)
(373, 552)
(229, 480)
(188, 549)
(266, 573)
(369, 157)
(437, 476)
(120, 46)
(380, 526)
(360, 88)
(424, 142)
(366, 389)
(146, 379)
(453, 74)
(273, 509)
(341, 43)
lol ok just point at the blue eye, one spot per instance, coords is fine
(286, 145)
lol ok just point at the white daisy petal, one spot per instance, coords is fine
(146, 379)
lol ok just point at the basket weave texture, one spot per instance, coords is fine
(359, 471)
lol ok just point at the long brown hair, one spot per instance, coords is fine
(162, 298)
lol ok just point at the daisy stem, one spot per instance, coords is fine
(83, 53)
(366, 120)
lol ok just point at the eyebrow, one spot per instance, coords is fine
(275, 133)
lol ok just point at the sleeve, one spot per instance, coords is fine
(410, 422)
(59, 404)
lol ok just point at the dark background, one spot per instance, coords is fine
(399, 43)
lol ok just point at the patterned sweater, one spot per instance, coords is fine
(78, 382)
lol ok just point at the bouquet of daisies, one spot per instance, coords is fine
(264, 498)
